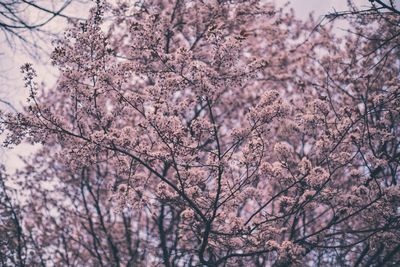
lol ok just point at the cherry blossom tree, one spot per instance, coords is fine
(214, 133)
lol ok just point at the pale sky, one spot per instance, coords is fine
(321, 7)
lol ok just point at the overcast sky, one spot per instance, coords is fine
(321, 7)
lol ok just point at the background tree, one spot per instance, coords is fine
(221, 134)
(27, 29)
(24, 21)
(15, 249)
